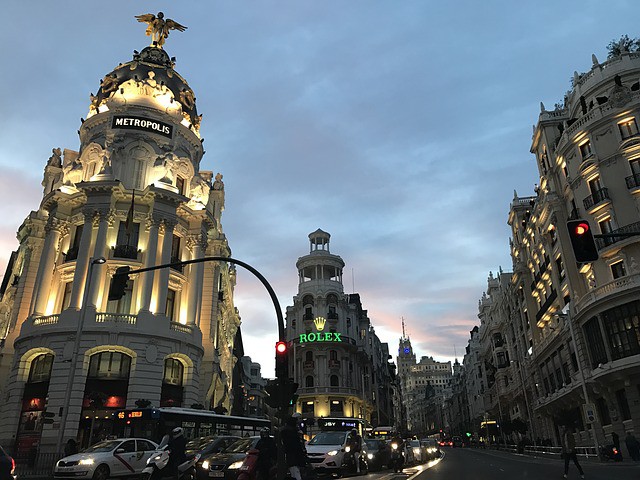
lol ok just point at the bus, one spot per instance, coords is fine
(154, 423)
(383, 433)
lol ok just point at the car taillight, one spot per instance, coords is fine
(615, 451)
(13, 465)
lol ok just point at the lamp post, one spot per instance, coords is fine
(76, 350)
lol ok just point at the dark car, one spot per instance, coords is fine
(226, 464)
(209, 445)
(378, 453)
(7, 466)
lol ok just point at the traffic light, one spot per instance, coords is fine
(582, 241)
(47, 417)
(119, 283)
(282, 360)
(289, 393)
(274, 394)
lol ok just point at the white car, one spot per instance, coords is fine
(121, 457)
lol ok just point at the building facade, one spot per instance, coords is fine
(562, 335)
(133, 195)
(338, 361)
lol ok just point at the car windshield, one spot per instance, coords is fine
(372, 444)
(199, 443)
(103, 446)
(240, 446)
(328, 438)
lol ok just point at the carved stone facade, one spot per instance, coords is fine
(133, 195)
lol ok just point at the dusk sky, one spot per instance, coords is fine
(402, 128)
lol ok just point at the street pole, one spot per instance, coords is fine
(75, 353)
(567, 317)
(526, 401)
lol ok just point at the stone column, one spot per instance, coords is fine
(163, 274)
(80, 274)
(197, 244)
(150, 260)
(54, 229)
(103, 220)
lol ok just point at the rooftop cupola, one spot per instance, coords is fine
(320, 270)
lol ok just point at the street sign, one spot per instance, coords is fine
(589, 413)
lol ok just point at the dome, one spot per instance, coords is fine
(150, 74)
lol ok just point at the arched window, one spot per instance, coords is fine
(333, 355)
(308, 356)
(114, 365)
(40, 370)
(173, 371)
(334, 381)
(308, 381)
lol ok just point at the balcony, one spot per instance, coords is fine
(332, 316)
(178, 268)
(545, 306)
(116, 318)
(334, 363)
(607, 241)
(181, 327)
(633, 181)
(596, 198)
(308, 365)
(307, 316)
(126, 251)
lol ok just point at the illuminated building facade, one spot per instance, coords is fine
(133, 195)
(338, 361)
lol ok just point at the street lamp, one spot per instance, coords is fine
(76, 350)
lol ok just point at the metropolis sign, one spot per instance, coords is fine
(140, 123)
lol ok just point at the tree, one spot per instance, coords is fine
(625, 44)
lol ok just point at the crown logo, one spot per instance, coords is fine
(319, 322)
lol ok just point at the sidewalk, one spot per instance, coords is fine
(554, 458)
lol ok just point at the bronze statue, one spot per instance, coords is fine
(158, 28)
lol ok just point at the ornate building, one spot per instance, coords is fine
(133, 195)
(341, 366)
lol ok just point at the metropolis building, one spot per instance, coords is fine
(132, 195)
(339, 363)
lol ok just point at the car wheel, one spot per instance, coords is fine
(101, 473)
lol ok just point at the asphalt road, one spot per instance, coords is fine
(473, 464)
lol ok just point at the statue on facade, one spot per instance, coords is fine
(158, 28)
(55, 160)
(218, 184)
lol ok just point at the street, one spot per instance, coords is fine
(472, 464)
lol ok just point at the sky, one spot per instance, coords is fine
(402, 128)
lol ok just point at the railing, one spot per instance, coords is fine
(619, 284)
(308, 365)
(182, 328)
(35, 465)
(47, 320)
(335, 390)
(595, 198)
(334, 363)
(545, 306)
(125, 251)
(633, 181)
(606, 241)
(116, 318)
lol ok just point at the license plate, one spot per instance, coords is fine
(216, 473)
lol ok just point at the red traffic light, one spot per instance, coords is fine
(281, 348)
(581, 228)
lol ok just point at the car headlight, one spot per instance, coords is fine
(205, 464)
(236, 465)
(347, 449)
(370, 456)
(416, 450)
(332, 453)
(394, 446)
(86, 461)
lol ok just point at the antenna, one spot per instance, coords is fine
(353, 282)
(403, 335)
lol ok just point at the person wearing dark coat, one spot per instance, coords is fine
(633, 446)
(71, 448)
(294, 451)
(267, 454)
(177, 451)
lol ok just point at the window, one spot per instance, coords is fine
(594, 341)
(170, 307)
(605, 227)
(603, 411)
(623, 330)
(72, 253)
(595, 185)
(129, 446)
(66, 296)
(175, 249)
(308, 356)
(308, 381)
(40, 370)
(127, 241)
(122, 305)
(109, 365)
(333, 355)
(144, 446)
(139, 170)
(623, 404)
(180, 184)
(585, 150)
(628, 128)
(173, 371)
(334, 381)
(618, 270)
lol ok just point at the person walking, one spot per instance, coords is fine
(294, 451)
(569, 451)
(71, 448)
(267, 454)
(633, 446)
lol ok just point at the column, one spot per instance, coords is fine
(53, 229)
(150, 260)
(80, 274)
(196, 275)
(163, 274)
(104, 218)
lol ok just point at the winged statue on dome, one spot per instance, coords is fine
(158, 27)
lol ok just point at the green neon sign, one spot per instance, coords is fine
(320, 337)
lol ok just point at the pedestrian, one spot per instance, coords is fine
(267, 454)
(71, 447)
(569, 451)
(633, 446)
(294, 452)
(615, 439)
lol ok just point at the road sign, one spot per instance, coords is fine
(589, 413)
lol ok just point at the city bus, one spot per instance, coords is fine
(383, 433)
(154, 423)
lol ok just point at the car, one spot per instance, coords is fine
(417, 452)
(226, 464)
(7, 466)
(446, 442)
(209, 445)
(378, 453)
(431, 448)
(121, 457)
(457, 441)
(329, 452)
